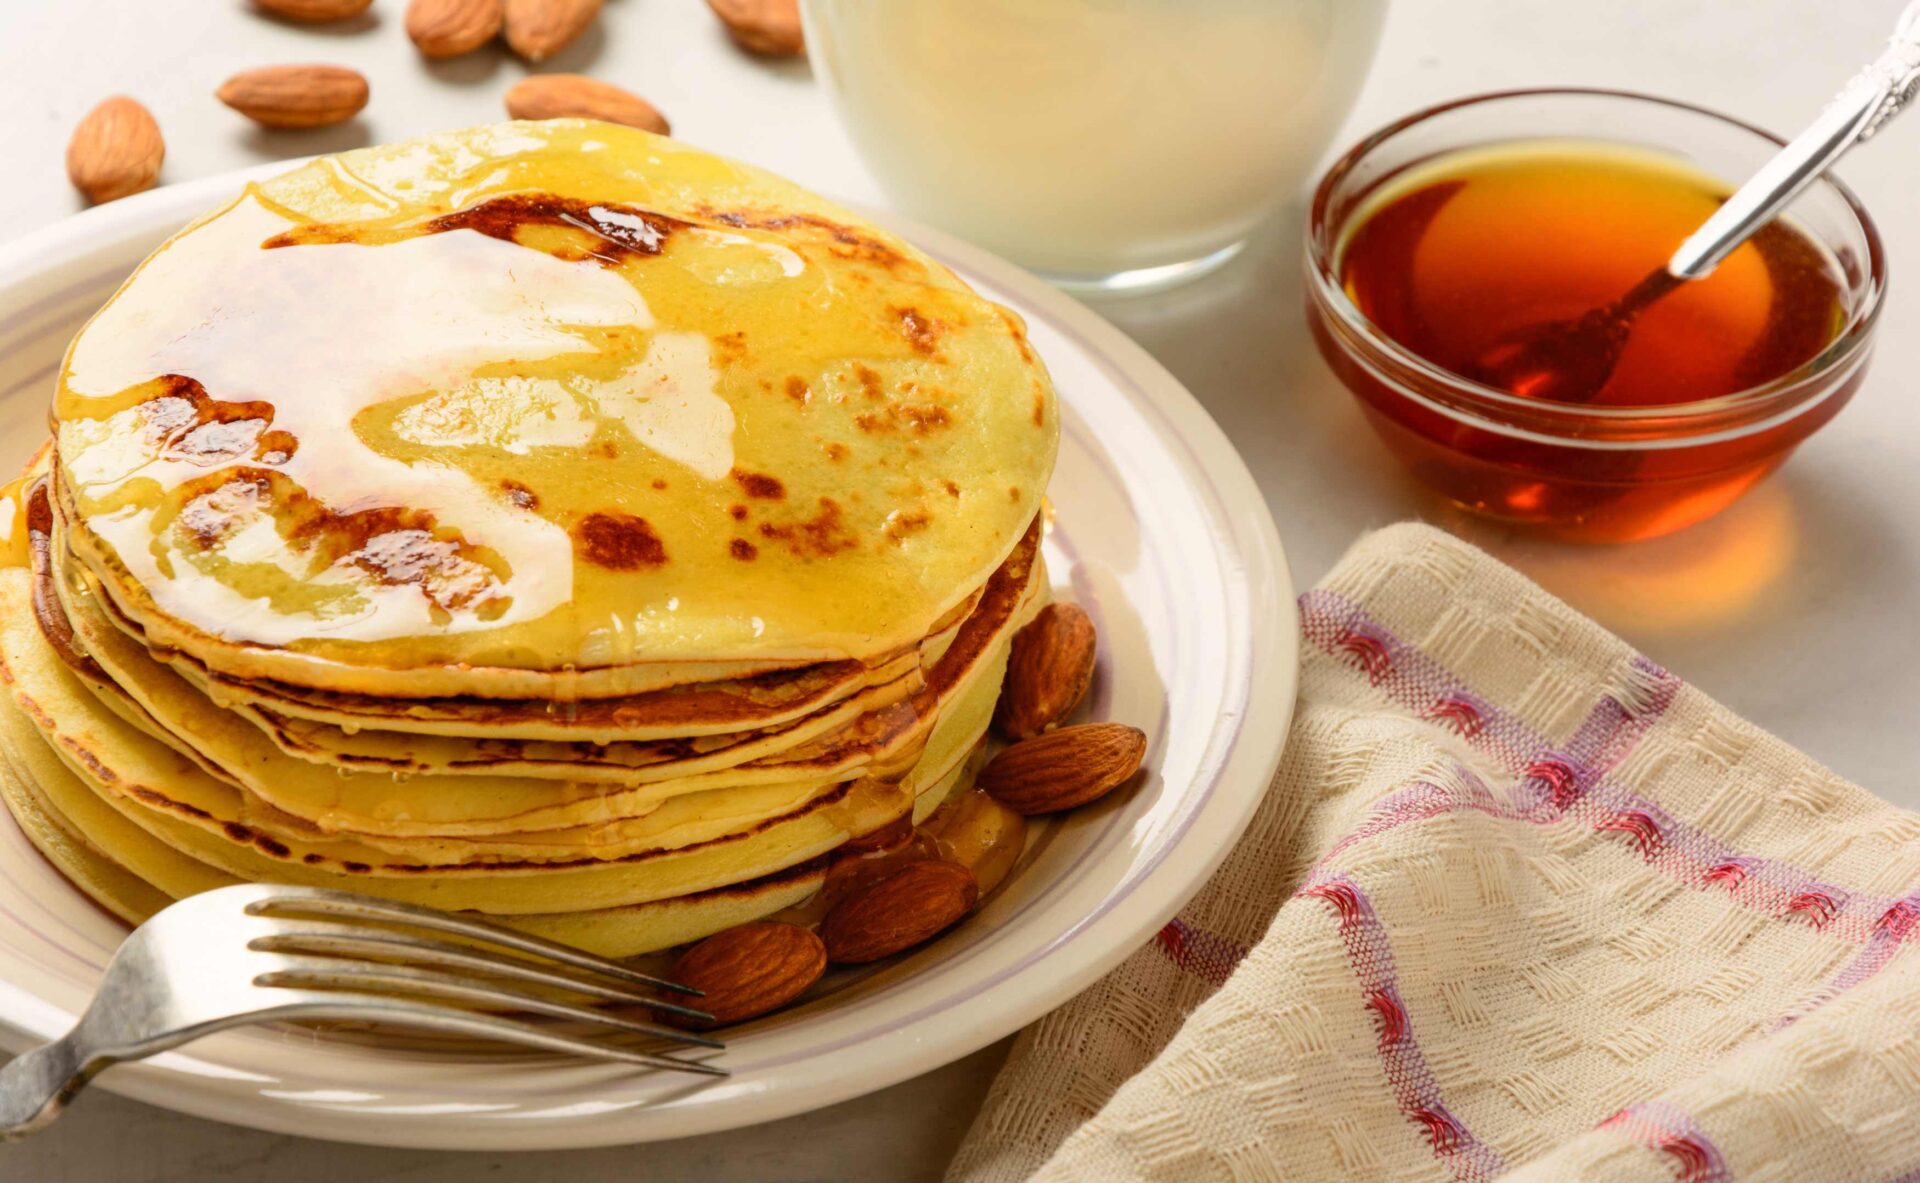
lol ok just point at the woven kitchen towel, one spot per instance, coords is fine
(1520, 902)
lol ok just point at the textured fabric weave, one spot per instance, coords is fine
(1519, 903)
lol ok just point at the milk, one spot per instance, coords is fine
(1088, 137)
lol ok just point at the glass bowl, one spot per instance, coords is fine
(1598, 474)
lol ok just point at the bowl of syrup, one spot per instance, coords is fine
(1440, 240)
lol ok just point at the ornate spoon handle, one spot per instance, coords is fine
(1868, 103)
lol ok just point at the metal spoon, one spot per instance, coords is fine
(1568, 361)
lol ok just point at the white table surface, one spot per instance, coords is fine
(1796, 607)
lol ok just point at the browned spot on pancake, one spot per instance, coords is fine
(869, 383)
(520, 495)
(311, 859)
(798, 390)
(1039, 407)
(743, 550)
(759, 485)
(247, 836)
(658, 484)
(618, 541)
(394, 545)
(1013, 492)
(901, 526)
(607, 450)
(612, 233)
(738, 512)
(356, 868)
(835, 451)
(952, 489)
(824, 534)
(47, 610)
(183, 422)
(842, 241)
(730, 347)
(919, 418)
(921, 331)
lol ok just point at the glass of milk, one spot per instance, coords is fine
(1106, 144)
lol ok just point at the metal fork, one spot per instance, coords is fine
(260, 953)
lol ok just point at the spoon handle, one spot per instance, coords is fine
(1868, 103)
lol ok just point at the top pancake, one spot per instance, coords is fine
(543, 409)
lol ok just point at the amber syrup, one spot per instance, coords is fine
(1469, 250)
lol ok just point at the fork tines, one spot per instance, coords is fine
(336, 941)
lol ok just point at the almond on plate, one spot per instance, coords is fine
(914, 904)
(313, 11)
(559, 96)
(747, 971)
(770, 28)
(1065, 768)
(296, 96)
(448, 28)
(1048, 671)
(116, 150)
(538, 29)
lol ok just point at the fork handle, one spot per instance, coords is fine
(36, 1085)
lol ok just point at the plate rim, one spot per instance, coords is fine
(1248, 765)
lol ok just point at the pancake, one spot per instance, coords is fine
(153, 782)
(548, 522)
(146, 874)
(331, 435)
(341, 798)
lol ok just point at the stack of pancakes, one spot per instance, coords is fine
(544, 520)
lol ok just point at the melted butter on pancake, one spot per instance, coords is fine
(479, 402)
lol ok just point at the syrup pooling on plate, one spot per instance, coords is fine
(541, 416)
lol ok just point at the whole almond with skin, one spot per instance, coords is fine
(747, 971)
(313, 12)
(116, 150)
(1048, 671)
(538, 29)
(770, 28)
(448, 28)
(1065, 768)
(561, 96)
(296, 96)
(914, 904)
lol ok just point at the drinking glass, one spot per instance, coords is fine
(1106, 144)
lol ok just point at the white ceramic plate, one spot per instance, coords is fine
(1159, 532)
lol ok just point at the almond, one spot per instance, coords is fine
(116, 150)
(560, 96)
(313, 12)
(538, 29)
(912, 905)
(1065, 768)
(770, 28)
(747, 971)
(296, 96)
(1048, 671)
(448, 28)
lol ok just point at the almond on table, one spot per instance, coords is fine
(538, 29)
(313, 12)
(561, 96)
(448, 28)
(116, 150)
(296, 96)
(770, 28)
